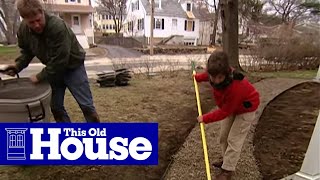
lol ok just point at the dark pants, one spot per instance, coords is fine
(76, 80)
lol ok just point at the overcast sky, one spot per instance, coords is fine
(94, 3)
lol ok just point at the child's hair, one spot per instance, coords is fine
(218, 64)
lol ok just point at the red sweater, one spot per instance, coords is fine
(230, 100)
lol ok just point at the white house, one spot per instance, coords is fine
(175, 20)
(78, 14)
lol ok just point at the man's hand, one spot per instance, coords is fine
(200, 119)
(34, 79)
(11, 70)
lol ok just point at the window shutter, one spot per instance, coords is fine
(142, 22)
(162, 23)
(185, 25)
(132, 25)
(193, 25)
(154, 23)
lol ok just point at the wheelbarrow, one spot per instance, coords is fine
(22, 101)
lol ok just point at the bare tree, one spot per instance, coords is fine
(251, 9)
(115, 8)
(289, 10)
(230, 31)
(215, 25)
(216, 14)
(151, 27)
(9, 20)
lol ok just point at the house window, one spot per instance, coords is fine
(188, 6)
(141, 24)
(76, 20)
(72, 1)
(189, 25)
(135, 6)
(20, 141)
(159, 23)
(130, 26)
(12, 141)
(174, 24)
(157, 4)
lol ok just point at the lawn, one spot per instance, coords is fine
(168, 101)
(8, 54)
(303, 74)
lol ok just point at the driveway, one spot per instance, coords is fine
(120, 52)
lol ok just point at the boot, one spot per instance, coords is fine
(217, 164)
(224, 175)
(60, 116)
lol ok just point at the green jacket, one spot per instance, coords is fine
(57, 47)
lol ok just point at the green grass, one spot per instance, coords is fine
(12, 50)
(8, 54)
(301, 74)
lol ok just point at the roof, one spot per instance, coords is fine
(105, 11)
(169, 8)
(203, 13)
(70, 8)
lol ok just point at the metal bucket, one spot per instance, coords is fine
(22, 101)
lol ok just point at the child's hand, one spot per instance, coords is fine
(200, 119)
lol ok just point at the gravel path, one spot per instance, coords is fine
(188, 163)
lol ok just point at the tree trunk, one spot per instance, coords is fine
(151, 27)
(215, 25)
(230, 29)
(10, 19)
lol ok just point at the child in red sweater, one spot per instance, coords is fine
(237, 102)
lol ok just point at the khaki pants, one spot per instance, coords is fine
(234, 130)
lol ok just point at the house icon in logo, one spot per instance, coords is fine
(16, 143)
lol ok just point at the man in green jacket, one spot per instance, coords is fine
(48, 38)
